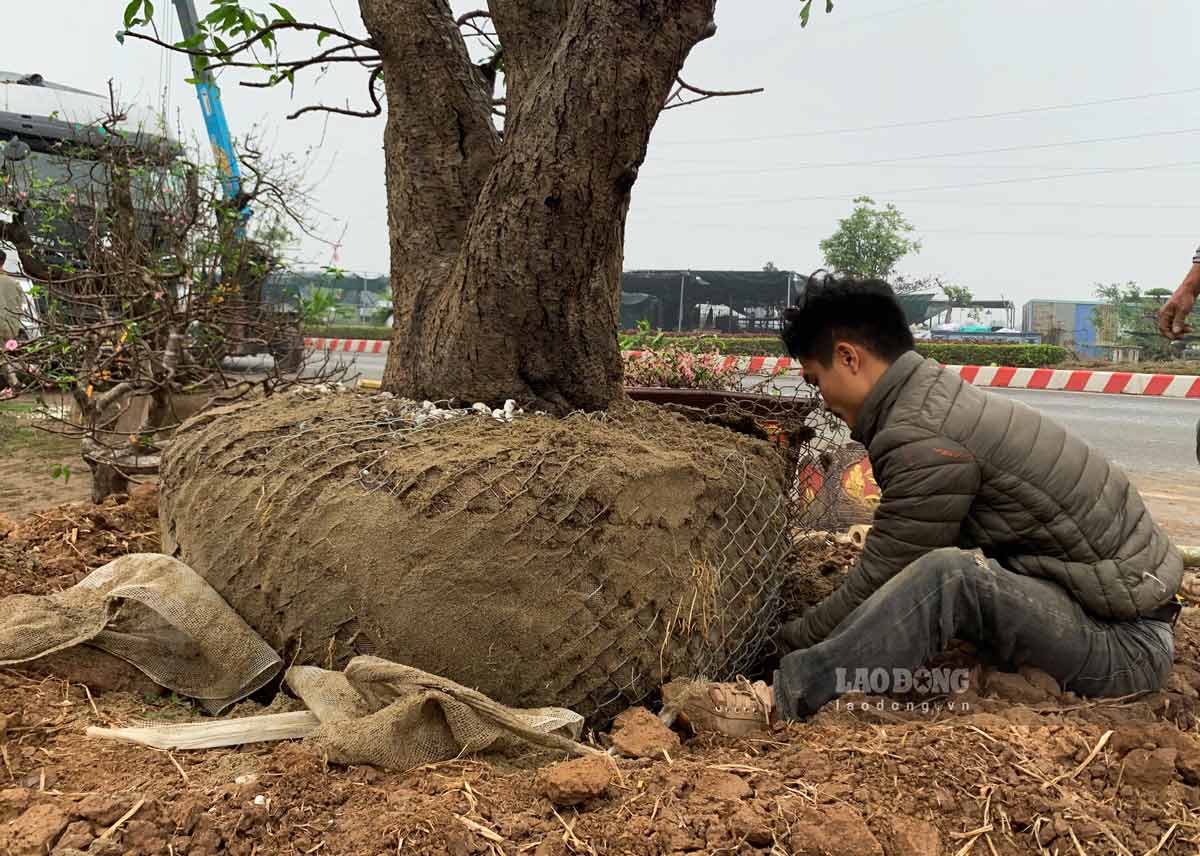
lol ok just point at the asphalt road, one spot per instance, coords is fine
(1142, 435)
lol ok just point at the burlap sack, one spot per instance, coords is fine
(394, 716)
(157, 614)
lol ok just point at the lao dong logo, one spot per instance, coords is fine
(929, 682)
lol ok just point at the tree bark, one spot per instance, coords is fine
(529, 31)
(506, 259)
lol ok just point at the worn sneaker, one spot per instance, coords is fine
(736, 710)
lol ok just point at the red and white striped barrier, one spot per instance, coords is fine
(1000, 377)
(1083, 380)
(349, 346)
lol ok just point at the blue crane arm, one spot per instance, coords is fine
(209, 95)
(219, 138)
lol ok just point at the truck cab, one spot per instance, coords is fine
(46, 133)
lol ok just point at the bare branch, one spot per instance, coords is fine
(677, 98)
(468, 20)
(114, 396)
(295, 65)
(362, 114)
(471, 16)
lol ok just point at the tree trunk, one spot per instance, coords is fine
(107, 480)
(506, 257)
(112, 468)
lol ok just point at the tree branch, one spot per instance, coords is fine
(226, 59)
(471, 16)
(16, 234)
(246, 44)
(345, 111)
(677, 100)
(440, 141)
(114, 396)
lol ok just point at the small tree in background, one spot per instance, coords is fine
(144, 285)
(959, 296)
(870, 241)
(1128, 318)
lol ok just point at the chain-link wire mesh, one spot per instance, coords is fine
(834, 486)
(830, 488)
(578, 562)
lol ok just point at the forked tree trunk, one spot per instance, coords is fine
(507, 255)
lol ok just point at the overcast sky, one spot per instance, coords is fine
(735, 182)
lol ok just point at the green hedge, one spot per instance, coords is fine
(349, 331)
(1017, 356)
(742, 346)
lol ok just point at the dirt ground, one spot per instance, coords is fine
(1010, 767)
(1177, 367)
(1174, 503)
(27, 456)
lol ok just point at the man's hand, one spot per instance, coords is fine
(1172, 320)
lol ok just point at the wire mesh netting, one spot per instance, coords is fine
(579, 562)
(830, 487)
(834, 485)
(569, 562)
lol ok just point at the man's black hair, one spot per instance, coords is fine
(3, 257)
(844, 308)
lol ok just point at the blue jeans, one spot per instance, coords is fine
(1016, 619)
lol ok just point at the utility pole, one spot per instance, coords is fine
(682, 279)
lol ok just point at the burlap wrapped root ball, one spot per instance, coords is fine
(575, 562)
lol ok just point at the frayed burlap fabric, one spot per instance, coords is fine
(394, 716)
(154, 612)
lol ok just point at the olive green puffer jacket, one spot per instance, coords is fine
(962, 467)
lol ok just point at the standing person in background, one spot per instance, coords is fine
(12, 301)
(1173, 319)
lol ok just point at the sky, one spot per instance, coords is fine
(892, 99)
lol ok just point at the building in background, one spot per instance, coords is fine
(731, 301)
(1087, 327)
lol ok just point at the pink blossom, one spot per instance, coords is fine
(11, 345)
(6, 394)
(158, 295)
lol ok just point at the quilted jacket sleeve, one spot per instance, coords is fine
(928, 485)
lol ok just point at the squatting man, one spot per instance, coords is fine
(996, 526)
